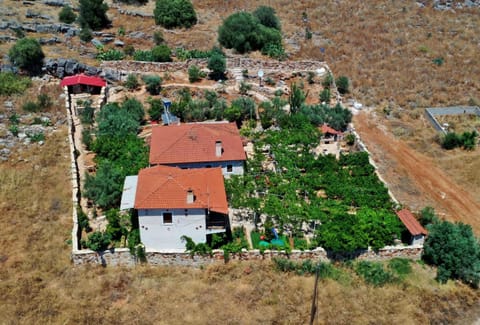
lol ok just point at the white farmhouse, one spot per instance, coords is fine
(173, 202)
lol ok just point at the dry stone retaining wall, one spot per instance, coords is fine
(122, 256)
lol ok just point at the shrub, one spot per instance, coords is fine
(451, 140)
(87, 139)
(275, 51)
(327, 81)
(174, 13)
(98, 241)
(93, 14)
(325, 96)
(194, 73)
(132, 82)
(401, 266)
(66, 15)
(350, 139)
(156, 109)
(11, 83)
(132, 2)
(140, 55)
(129, 50)
(244, 88)
(343, 84)
(153, 84)
(44, 101)
(266, 16)
(469, 140)
(86, 113)
(27, 54)
(217, 65)
(36, 137)
(85, 34)
(31, 107)
(193, 248)
(158, 37)
(83, 221)
(110, 55)
(161, 53)
(428, 216)
(374, 273)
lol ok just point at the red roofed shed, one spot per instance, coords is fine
(81, 79)
(415, 229)
(81, 83)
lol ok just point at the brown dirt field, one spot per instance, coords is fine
(415, 179)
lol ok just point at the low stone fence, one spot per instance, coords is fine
(122, 256)
(119, 70)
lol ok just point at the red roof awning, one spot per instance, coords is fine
(413, 226)
(327, 129)
(81, 79)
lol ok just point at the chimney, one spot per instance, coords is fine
(190, 196)
(218, 148)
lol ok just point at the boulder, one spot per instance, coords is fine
(49, 41)
(137, 35)
(71, 67)
(119, 43)
(96, 42)
(56, 3)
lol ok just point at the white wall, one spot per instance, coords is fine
(158, 236)
(418, 240)
(237, 166)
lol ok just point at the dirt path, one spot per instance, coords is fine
(413, 178)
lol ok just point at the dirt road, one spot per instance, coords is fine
(413, 178)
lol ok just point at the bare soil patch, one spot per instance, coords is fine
(414, 178)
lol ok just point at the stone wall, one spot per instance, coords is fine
(122, 256)
(119, 70)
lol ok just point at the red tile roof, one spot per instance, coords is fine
(81, 79)
(326, 129)
(195, 142)
(163, 187)
(413, 226)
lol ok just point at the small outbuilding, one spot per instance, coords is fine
(82, 83)
(329, 134)
(416, 232)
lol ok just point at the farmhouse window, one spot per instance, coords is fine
(167, 218)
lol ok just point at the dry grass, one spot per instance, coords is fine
(38, 284)
(389, 62)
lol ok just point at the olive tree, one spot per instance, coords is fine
(27, 54)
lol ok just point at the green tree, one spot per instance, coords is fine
(217, 65)
(66, 15)
(153, 84)
(175, 13)
(161, 53)
(27, 54)
(194, 73)
(93, 14)
(296, 98)
(453, 248)
(266, 16)
(156, 109)
(135, 108)
(343, 84)
(113, 121)
(158, 38)
(239, 31)
(325, 95)
(105, 187)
